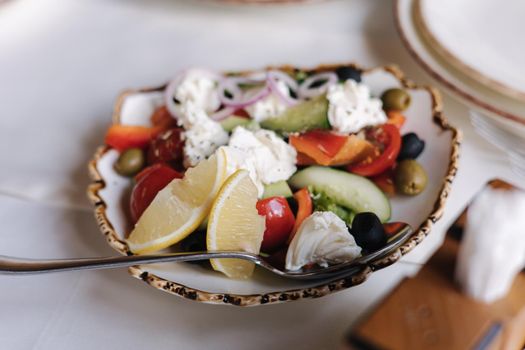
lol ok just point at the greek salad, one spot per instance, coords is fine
(296, 165)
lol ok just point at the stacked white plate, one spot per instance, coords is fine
(474, 49)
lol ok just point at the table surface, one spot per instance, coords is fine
(62, 64)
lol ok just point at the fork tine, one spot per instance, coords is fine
(509, 141)
(510, 144)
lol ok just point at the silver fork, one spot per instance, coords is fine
(512, 145)
(17, 266)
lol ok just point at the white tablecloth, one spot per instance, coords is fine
(61, 65)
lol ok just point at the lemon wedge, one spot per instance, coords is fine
(235, 225)
(180, 207)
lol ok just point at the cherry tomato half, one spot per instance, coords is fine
(163, 119)
(149, 182)
(385, 182)
(389, 137)
(166, 147)
(279, 222)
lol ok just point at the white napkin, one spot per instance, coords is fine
(492, 251)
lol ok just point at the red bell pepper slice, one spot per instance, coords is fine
(123, 137)
(304, 209)
(319, 145)
(396, 118)
(327, 148)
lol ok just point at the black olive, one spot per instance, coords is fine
(345, 73)
(195, 242)
(368, 231)
(411, 146)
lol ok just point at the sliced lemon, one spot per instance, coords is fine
(235, 225)
(180, 207)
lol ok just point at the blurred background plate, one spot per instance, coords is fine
(267, 2)
(479, 37)
(496, 116)
(507, 112)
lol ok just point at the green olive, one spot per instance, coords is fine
(410, 178)
(130, 162)
(397, 99)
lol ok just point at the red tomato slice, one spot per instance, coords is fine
(167, 147)
(149, 182)
(241, 113)
(385, 182)
(163, 119)
(388, 135)
(144, 172)
(279, 222)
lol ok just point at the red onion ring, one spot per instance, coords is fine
(275, 76)
(239, 98)
(223, 113)
(306, 91)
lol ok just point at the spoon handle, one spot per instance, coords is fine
(17, 266)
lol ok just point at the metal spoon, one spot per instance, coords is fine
(17, 266)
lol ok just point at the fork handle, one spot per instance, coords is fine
(18, 266)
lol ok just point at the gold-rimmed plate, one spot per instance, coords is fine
(481, 44)
(509, 112)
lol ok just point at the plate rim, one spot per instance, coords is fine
(454, 59)
(323, 288)
(440, 78)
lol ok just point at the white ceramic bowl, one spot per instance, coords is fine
(110, 192)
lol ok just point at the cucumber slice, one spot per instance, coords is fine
(279, 188)
(354, 192)
(308, 115)
(234, 121)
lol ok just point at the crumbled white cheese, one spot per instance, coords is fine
(202, 135)
(351, 107)
(199, 87)
(323, 239)
(270, 106)
(237, 159)
(267, 157)
(191, 114)
(197, 95)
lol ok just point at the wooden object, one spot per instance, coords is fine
(430, 312)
